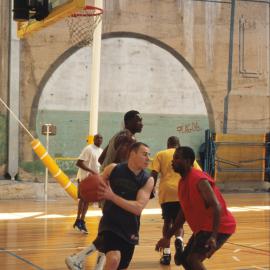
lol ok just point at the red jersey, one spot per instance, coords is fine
(198, 217)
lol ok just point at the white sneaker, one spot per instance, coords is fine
(73, 263)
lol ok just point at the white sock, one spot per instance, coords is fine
(166, 251)
(86, 252)
(180, 237)
(101, 258)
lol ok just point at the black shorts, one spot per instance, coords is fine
(196, 243)
(108, 241)
(170, 210)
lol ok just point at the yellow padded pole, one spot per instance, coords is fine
(90, 139)
(54, 169)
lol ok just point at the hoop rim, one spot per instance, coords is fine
(79, 14)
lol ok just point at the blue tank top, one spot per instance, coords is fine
(125, 184)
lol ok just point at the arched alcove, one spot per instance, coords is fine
(137, 72)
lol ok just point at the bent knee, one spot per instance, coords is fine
(113, 259)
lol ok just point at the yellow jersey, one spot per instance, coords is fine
(168, 185)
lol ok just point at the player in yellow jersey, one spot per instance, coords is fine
(167, 194)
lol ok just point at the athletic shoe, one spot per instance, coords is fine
(179, 248)
(83, 227)
(73, 263)
(77, 225)
(165, 259)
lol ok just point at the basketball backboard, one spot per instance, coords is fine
(58, 9)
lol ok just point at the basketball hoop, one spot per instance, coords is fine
(82, 24)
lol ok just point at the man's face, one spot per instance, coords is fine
(136, 124)
(98, 139)
(179, 164)
(141, 157)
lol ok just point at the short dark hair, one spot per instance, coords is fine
(173, 141)
(186, 152)
(130, 115)
(98, 135)
(135, 146)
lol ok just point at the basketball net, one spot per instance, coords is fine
(82, 25)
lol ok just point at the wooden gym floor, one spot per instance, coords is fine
(39, 235)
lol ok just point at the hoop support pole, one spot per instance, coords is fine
(95, 75)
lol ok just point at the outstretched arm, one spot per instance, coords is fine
(107, 172)
(81, 164)
(178, 223)
(211, 202)
(122, 145)
(103, 155)
(154, 174)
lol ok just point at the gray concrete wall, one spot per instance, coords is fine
(195, 33)
(4, 67)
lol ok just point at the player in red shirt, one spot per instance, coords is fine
(204, 209)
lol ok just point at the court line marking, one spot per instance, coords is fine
(264, 252)
(21, 258)
(98, 213)
(41, 249)
(260, 244)
(253, 267)
(252, 228)
(236, 258)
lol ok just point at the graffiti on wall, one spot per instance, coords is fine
(67, 164)
(189, 128)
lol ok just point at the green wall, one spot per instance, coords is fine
(72, 130)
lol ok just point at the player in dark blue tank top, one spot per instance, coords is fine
(128, 193)
(126, 196)
(125, 184)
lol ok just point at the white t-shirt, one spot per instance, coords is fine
(89, 155)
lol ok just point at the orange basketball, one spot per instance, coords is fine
(89, 188)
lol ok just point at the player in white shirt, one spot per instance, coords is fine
(88, 165)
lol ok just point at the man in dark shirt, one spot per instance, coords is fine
(126, 196)
(118, 148)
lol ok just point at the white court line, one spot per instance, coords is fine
(261, 268)
(98, 213)
(18, 215)
(236, 258)
(252, 228)
(43, 249)
(249, 208)
(51, 216)
(260, 244)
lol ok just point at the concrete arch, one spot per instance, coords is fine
(180, 58)
(61, 59)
